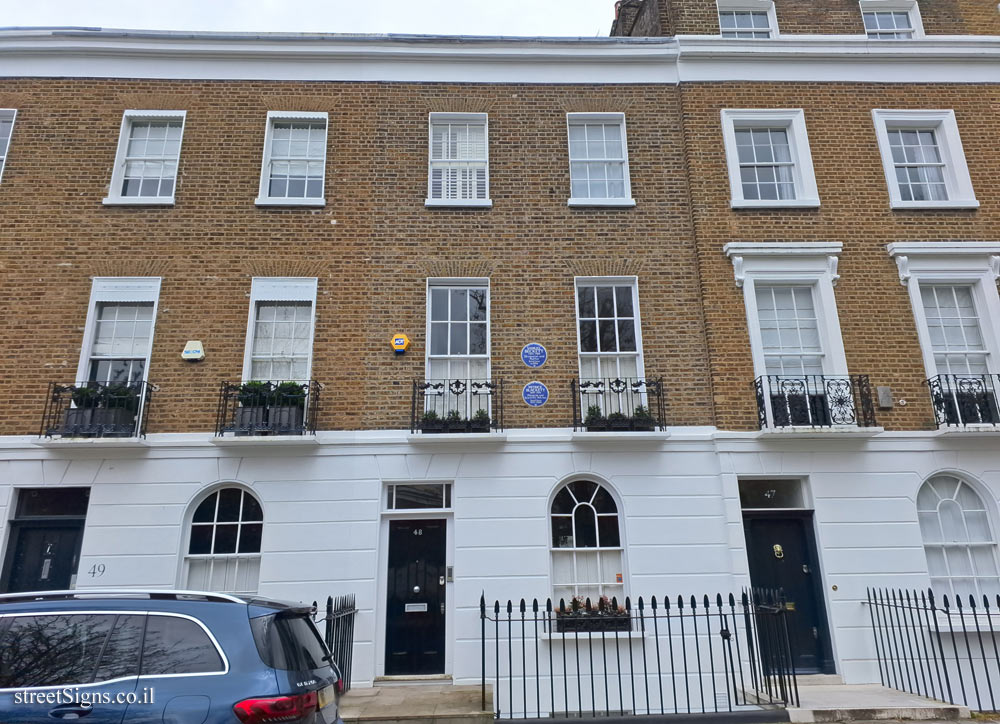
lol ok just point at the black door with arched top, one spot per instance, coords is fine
(415, 606)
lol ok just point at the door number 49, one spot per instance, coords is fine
(96, 570)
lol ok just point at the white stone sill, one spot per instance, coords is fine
(457, 438)
(950, 205)
(775, 204)
(264, 440)
(820, 432)
(91, 442)
(458, 203)
(617, 437)
(289, 203)
(137, 201)
(602, 203)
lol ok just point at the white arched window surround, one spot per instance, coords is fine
(586, 540)
(956, 527)
(222, 541)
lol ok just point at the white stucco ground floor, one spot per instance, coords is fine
(662, 514)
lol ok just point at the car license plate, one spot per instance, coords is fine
(327, 696)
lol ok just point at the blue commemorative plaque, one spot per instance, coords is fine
(534, 354)
(535, 394)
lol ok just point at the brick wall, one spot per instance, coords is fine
(940, 17)
(371, 247)
(875, 313)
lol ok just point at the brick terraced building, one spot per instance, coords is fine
(718, 287)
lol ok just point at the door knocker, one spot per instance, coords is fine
(779, 553)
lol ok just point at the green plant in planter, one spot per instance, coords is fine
(482, 417)
(642, 414)
(455, 416)
(290, 394)
(254, 393)
(594, 415)
(121, 397)
(430, 416)
(617, 418)
(87, 396)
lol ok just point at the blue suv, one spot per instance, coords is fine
(183, 657)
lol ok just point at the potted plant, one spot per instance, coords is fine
(116, 411)
(80, 417)
(456, 422)
(286, 410)
(251, 415)
(480, 422)
(642, 419)
(582, 616)
(595, 420)
(619, 421)
(431, 423)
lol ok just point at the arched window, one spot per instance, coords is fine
(586, 543)
(223, 551)
(958, 539)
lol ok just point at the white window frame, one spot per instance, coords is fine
(607, 118)
(622, 547)
(117, 290)
(910, 7)
(263, 199)
(5, 113)
(956, 170)
(458, 282)
(757, 6)
(630, 281)
(470, 118)
(805, 264)
(973, 264)
(279, 289)
(114, 197)
(804, 176)
(237, 558)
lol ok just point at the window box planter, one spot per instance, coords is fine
(479, 425)
(250, 419)
(433, 426)
(593, 622)
(285, 418)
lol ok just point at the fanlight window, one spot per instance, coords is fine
(586, 543)
(958, 539)
(224, 546)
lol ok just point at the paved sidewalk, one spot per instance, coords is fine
(443, 703)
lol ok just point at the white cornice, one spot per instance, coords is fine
(784, 256)
(944, 257)
(303, 56)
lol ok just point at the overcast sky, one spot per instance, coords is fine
(444, 17)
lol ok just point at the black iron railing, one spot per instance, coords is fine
(960, 400)
(268, 408)
(440, 406)
(618, 404)
(338, 633)
(814, 401)
(949, 651)
(683, 655)
(95, 409)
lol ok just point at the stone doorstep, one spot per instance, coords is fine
(868, 702)
(420, 702)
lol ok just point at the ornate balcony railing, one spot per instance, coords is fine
(95, 409)
(618, 404)
(814, 401)
(440, 406)
(961, 400)
(268, 408)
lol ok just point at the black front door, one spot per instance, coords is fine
(43, 556)
(782, 554)
(414, 641)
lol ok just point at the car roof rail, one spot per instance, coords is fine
(95, 593)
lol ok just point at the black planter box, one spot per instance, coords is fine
(250, 420)
(479, 426)
(593, 623)
(99, 422)
(429, 427)
(285, 419)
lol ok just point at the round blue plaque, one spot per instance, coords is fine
(534, 354)
(535, 394)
